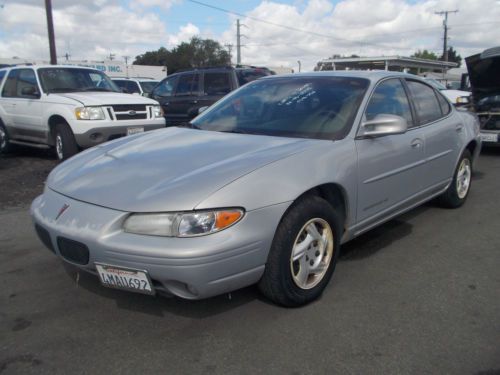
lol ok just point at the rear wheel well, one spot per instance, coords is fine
(53, 122)
(334, 194)
(472, 147)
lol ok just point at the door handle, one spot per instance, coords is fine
(416, 143)
(459, 128)
(166, 103)
(194, 101)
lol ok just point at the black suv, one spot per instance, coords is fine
(182, 94)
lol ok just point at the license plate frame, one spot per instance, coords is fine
(489, 137)
(135, 130)
(122, 278)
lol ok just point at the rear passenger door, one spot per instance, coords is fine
(442, 131)
(180, 106)
(216, 84)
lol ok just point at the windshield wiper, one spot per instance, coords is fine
(188, 125)
(61, 89)
(237, 131)
(95, 89)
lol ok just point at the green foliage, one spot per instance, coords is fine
(425, 55)
(453, 56)
(197, 53)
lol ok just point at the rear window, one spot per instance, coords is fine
(249, 75)
(217, 83)
(426, 102)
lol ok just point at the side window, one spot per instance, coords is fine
(186, 84)
(21, 83)
(444, 104)
(121, 84)
(426, 102)
(389, 98)
(166, 87)
(133, 87)
(217, 84)
(9, 89)
(2, 74)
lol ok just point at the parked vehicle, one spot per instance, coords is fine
(140, 86)
(263, 186)
(68, 108)
(181, 95)
(484, 76)
(454, 96)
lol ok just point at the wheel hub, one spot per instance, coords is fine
(463, 178)
(312, 253)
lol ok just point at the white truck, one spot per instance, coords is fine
(69, 108)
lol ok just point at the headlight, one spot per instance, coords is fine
(183, 224)
(157, 111)
(89, 113)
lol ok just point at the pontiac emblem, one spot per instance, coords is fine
(62, 210)
(131, 113)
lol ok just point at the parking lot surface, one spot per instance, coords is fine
(420, 294)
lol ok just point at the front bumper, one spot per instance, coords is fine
(192, 268)
(95, 134)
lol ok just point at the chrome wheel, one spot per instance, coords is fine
(463, 178)
(59, 147)
(312, 253)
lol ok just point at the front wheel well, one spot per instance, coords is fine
(54, 120)
(335, 195)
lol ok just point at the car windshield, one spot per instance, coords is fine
(303, 107)
(148, 86)
(436, 84)
(74, 79)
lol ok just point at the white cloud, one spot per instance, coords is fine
(185, 33)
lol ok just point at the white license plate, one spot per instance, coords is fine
(124, 278)
(489, 137)
(135, 130)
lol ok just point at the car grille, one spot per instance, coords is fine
(129, 112)
(73, 251)
(44, 236)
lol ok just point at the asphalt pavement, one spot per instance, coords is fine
(418, 295)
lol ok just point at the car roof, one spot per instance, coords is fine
(372, 75)
(23, 66)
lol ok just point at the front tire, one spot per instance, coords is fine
(303, 253)
(5, 145)
(65, 143)
(456, 194)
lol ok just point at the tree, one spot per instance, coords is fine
(453, 56)
(425, 55)
(197, 53)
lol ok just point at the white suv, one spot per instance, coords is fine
(69, 108)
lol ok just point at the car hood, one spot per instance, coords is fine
(166, 170)
(484, 73)
(90, 98)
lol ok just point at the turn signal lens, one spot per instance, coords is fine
(227, 218)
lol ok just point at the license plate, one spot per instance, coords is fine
(135, 130)
(125, 278)
(489, 137)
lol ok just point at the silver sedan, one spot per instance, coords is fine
(262, 187)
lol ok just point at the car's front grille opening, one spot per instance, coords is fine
(73, 251)
(44, 236)
(136, 116)
(129, 107)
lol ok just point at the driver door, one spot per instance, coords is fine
(390, 167)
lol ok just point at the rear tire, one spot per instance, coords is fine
(64, 142)
(303, 253)
(5, 145)
(458, 191)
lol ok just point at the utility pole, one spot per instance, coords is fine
(445, 26)
(229, 47)
(50, 29)
(126, 63)
(238, 42)
(111, 56)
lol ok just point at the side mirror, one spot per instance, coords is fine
(202, 109)
(381, 125)
(30, 91)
